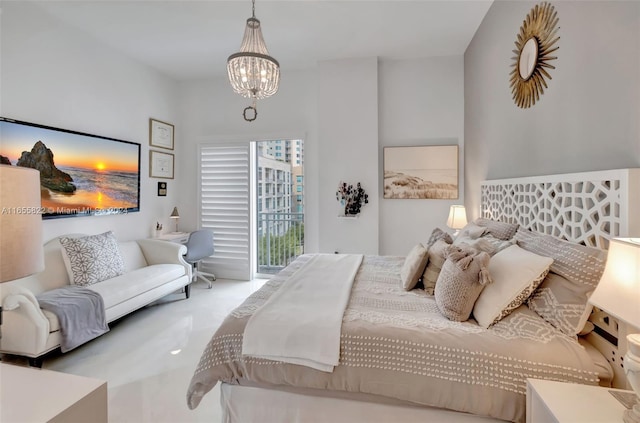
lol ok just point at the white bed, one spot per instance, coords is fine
(593, 207)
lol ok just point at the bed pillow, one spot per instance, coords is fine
(562, 298)
(463, 277)
(470, 231)
(92, 259)
(515, 274)
(435, 260)
(413, 267)
(437, 234)
(501, 230)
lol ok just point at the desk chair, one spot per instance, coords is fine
(200, 246)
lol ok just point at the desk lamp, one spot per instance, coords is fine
(176, 216)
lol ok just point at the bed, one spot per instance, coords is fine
(399, 358)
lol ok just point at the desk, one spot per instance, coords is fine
(177, 237)
(36, 395)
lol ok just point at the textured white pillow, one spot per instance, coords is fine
(516, 273)
(92, 259)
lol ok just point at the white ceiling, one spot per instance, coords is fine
(192, 39)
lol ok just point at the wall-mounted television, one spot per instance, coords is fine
(80, 174)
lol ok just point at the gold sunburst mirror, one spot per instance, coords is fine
(534, 44)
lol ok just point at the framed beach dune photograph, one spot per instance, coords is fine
(421, 172)
(80, 174)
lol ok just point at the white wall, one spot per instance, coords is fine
(348, 135)
(421, 103)
(57, 76)
(587, 119)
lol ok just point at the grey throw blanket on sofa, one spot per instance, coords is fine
(80, 312)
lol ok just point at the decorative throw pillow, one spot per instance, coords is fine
(501, 230)
(413, 267)
(562, 298)
(479, 244)
(463, 277)
(92, 259)
(498, 244)
(435, 260)
(437, 234)
(515, 273)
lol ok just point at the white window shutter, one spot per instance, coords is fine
(225, 208)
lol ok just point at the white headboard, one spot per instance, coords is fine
(588, 208)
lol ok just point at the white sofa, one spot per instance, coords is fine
(153, 269)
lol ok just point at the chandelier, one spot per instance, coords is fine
(252, 72)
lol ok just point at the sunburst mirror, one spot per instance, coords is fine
(534, 44)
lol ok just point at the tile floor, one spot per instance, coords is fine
(149, 356)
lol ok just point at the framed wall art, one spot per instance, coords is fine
(161, 134)
(80, 174)
(421, 172)
(160, 164)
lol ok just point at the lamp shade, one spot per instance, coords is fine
(457, 217)
(174, 213)
(618, 292)
(21, 252)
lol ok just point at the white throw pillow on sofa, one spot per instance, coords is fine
(92, 259)
(516, 273)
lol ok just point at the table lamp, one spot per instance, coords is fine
(176, 216)
(21, 252)
(457, 218)
(618, 293)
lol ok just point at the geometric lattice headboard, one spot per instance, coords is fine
(588, 207)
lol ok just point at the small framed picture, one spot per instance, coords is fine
(162, 189)
(160, 164)
(161, 134)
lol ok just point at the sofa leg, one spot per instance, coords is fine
(35, 362)
(187, 290)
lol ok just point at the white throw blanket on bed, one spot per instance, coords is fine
(301, 322)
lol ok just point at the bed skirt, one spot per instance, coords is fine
(249, 404)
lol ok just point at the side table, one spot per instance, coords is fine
(35, 395)
(560, 402)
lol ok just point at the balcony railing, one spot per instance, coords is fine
(280, 240)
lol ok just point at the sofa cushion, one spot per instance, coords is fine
(91, 259)
(121, 288)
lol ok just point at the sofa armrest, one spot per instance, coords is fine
(25, 329)
(156, 251)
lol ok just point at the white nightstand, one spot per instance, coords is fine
(560, 402)
(36, 395)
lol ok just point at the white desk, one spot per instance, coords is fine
(177, 237)
(36, 395)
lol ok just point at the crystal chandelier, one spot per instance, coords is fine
(252, 72)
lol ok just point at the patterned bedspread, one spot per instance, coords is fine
(396, 344)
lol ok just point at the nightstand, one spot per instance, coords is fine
(559, 402)
(35, 395)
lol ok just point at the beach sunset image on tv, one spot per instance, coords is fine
(80, 174)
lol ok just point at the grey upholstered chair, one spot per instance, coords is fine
(200, 246)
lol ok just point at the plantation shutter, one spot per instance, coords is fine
(224, 208)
